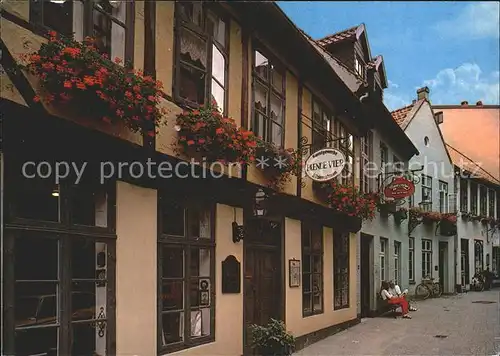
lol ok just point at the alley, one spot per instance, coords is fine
(455, 325)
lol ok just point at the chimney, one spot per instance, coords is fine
(464, 103)
(479, 103)
(423, 93)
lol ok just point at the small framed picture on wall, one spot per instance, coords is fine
(294, 273)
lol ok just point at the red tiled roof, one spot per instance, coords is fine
(338, 37)
(400, 115)
(462, 161)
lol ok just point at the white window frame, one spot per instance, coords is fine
(358, 66)
(426, 182)
(366, 158)
(411, 259)
(397, 262)
(382, 258)
(426, 258)
(443, 197)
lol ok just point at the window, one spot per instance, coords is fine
(269, 99)
(426, 141)
(464, 195)
(61, 266)
(341, 270)
(478, 256)
(56, 16)
(384, 158)
(346, 145)
(187, 287)
(312, 269)
(359, 66)
(426, 192)
(397, 262)
(426, 258)
(464, 262)
(201, 58)
(366, 159)
(382, 259)
(473, 198)
(483, 200)
(443, 197)
(411, 259)
(491, 203)
(321, 123)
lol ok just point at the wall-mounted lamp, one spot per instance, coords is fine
(260, 204)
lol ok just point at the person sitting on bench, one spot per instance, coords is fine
(396, 291)
(393, 299)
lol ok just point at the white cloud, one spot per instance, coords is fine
(395, 101)
(477, 20)
(466, 82)
(392, 84)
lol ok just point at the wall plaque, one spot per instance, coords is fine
(294, 273)
(231, 275)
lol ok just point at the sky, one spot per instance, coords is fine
(451, 47)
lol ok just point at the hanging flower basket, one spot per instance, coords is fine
(207, 133)
(401, 214)
(76, 74)
(387, 206)
(278, 164)
(465, 215)
(448, 225)
(348, 199)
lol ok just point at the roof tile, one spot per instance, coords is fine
(338, 37)
(400, 115)
(462, 161)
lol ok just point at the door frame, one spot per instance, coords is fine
(247, 218)
(443, 264)
(367, 240)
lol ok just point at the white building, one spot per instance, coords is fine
(430, 252)
(477, 225)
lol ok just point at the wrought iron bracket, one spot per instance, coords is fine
(408, 174)
(306, 148)
(438, 224)
(413, 223)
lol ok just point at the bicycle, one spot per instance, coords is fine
(429, 287)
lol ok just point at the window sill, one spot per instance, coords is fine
(412, 282)
(165, 350)
(308, 314)
(341, 308)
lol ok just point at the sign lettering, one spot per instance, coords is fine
(399, 188)
(325, 164)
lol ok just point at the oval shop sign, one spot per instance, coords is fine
(325, 164)
(399, 188)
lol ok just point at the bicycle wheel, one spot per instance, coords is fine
(421, 291)
(437, 290)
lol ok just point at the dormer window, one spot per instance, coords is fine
(359, 67)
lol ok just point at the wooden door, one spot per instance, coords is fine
(262, 285)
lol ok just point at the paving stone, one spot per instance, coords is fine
(468, 329)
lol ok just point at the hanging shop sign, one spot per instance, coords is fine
(399, 188)
(325, 164)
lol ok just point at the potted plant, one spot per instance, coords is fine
(347, 199)
(75, 73)
(430, 217)
(387, 206)
(277, 163)
(272, 339)
(448, 224)
(401, 214)
(207, 133)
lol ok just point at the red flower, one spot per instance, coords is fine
(36, 98)
(68, 84)
(190, 142)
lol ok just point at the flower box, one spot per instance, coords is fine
(348, 199)
(430, 217)
(75, 73)
(206, 133)
(401, 214)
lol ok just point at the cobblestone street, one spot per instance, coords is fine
(454, 325)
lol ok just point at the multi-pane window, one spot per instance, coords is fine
(54, 15)
(346, 145)
(366, 159)
(491, 203)
(473, 198)
(426, 258)
(478, 256)
(411, 259)
(312, 269)
(483, 200)
(60, 269)
(382, 258)
(397, 261)
(464, 195)
(359, 66)
(397, 164)
(384, 158)
(341, 270)
(269, 99)
(186, 252)
(443, 197)
(426, 192)
(321, 122)
(202, 58)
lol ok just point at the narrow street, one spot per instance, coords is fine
(454, 325)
